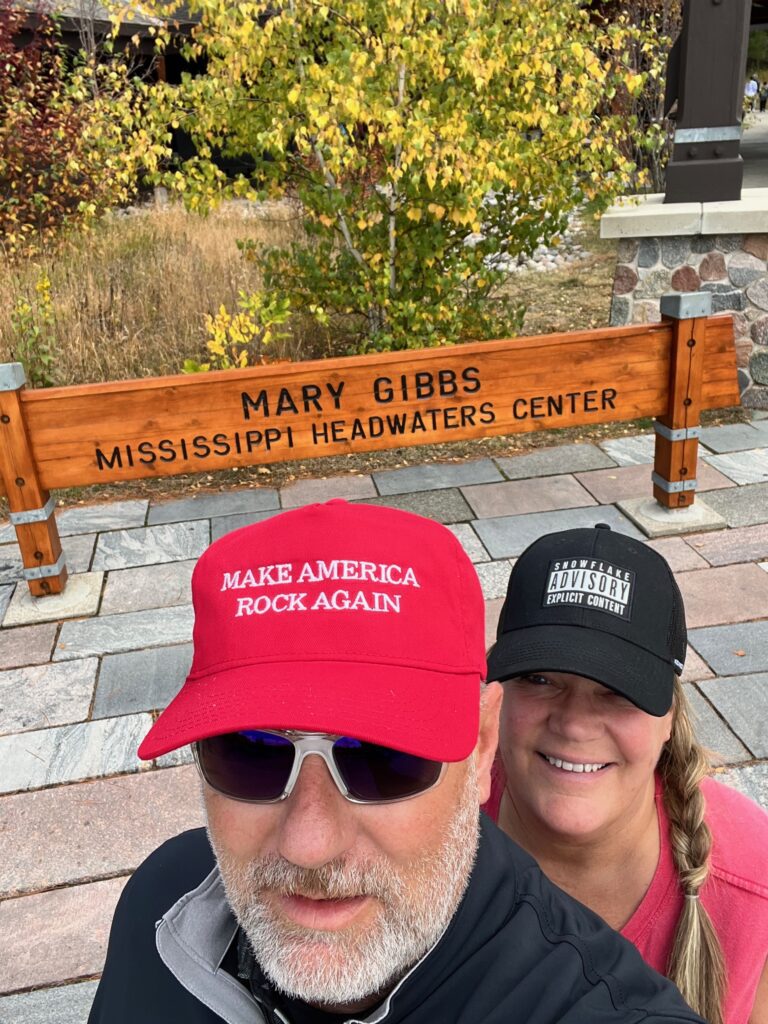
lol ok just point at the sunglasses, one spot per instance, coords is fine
(261, 766)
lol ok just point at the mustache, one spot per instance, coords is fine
(335, 880)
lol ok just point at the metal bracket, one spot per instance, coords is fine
(729, 133)
(686, 305)
(44, 571)
(680, 434)
(673, 487)
(33, 515)
(12, 376)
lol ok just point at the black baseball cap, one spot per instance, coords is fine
(598, 604)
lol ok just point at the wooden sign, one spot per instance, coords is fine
(187, 424)
(156, 427)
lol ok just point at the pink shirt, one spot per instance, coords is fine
(735, 893)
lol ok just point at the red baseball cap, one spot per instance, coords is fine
(356, 620)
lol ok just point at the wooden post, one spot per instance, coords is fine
(706, 77)
(31, 507)
(677, 433)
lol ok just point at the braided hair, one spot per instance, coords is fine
(696, 964)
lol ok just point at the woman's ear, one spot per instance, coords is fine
(488, 737)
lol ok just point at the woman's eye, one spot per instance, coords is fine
(535, 679)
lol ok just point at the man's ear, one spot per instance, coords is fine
(488, 737)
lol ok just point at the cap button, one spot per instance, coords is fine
(602, 526)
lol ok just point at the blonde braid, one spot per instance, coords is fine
(696, 963)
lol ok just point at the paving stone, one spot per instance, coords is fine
(695, 668)
(751, 780)
(27, 645)
(741, 506)
(306, 492)
(148, 586)
(208, 504)
(436, 475)
(173, 542)
(174, 759)
(743, 703)
(742, 467)
(119, 515)
(513, 498)
(140, 680)
(80, 598)
(657, 521)
(68, 753)
(679, 556)
(6, 593)
(733, 650)
(78, 552)
(71, 834)
(630, 451)
(722, 745)
(70, 929)
(494, 577)
(622, 482)
(509, 536)
(735, 437)
(566, 458)
(221, 525)
(726, 547)
(470, 542)
(444, 506)
(39, 696)
(115, 633)
(715, 597)
(492, 613)
(64, 1004)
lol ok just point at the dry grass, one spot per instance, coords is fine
(130, 298)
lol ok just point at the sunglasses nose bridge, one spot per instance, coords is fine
(322, 748)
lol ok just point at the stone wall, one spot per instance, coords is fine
(733, 267)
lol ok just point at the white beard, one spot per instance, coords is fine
(347, 967)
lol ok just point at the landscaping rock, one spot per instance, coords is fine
(729, 243)
(654, 284)
(703, 243)
(743, 348)
(755, 398)
(621, 309)
(743, 269)
(712, 267)
(758, 367)
(759, 331)
(757, 293)
(648, 253)
(627, 250)
(757, 245)
(674, 251)
(624, 280)
(685, 279)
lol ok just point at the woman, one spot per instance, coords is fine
(600, 777)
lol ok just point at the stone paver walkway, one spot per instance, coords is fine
(82, 674)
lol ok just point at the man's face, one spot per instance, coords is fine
(338, 899)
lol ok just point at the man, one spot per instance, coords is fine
(335, 711)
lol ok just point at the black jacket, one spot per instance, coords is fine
(517, 950)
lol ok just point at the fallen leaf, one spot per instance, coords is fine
(740, 654)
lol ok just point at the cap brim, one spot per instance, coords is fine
(429, 714)
(638, 675)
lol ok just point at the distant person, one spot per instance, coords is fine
(763, 96)
(750, 92)
(335, 710)
(600, 776)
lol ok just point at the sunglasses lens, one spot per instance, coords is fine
(247, 765)
(377, 774)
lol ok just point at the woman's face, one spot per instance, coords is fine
(579, 759)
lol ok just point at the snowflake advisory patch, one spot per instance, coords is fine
(590, 583)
